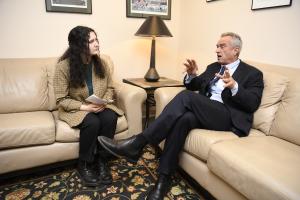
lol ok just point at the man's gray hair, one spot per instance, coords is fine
(236, 39)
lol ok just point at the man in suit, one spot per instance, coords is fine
(229, 92)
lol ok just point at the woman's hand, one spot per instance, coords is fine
(92, 107)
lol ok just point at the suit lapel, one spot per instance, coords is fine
(239, 73)
(214, 69)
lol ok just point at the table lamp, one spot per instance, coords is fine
(153, 26)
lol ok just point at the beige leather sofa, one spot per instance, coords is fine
(30, 132)
(263, 166)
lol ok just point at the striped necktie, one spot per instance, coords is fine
(215, 79)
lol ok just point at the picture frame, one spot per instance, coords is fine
(145, 8)
(210, 0)
(69, 6)
(262, 4)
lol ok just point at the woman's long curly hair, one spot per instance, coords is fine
(79, 46)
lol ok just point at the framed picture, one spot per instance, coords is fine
(262, 4)
(145, 8)
(69, 6)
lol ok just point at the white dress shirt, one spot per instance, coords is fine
(218, 87)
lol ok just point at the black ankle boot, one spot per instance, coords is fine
(161, 188)
(103, 171)
(88, 174)
(130, 148)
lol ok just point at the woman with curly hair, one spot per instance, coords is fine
(81, 72)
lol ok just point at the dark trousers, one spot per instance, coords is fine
(94, 125)
(186, 111)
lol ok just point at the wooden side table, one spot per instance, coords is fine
(149, 87)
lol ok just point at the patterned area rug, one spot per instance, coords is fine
(129, 182)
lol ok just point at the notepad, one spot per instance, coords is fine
(96, 100)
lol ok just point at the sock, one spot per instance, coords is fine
(141, 141)
(165, 175)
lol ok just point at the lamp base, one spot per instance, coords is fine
(151, 75)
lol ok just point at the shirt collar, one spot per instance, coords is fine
(233, 65)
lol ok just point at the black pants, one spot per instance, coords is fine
(186, 111)
(94, 125)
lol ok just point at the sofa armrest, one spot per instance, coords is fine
(130, 99)
(163, 96)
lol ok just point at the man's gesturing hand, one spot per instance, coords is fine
(227, 79)
(191, 67)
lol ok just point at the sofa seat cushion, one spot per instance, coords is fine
(64, 133)
(26, 129)
(199, 141)
(258, 167)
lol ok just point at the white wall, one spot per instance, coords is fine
(27, 30)
(271, 35)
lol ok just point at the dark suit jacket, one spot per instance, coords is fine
(244, 103)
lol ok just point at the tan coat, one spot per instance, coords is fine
(69, 99)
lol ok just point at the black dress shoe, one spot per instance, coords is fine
(88, 174)
(160, 189)
(104, 172)
(129, 148)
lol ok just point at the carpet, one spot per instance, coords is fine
(129, 182)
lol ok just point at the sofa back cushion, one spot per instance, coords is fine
(24, 84)
(50, 66)
(286, 122)
(275, 84)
